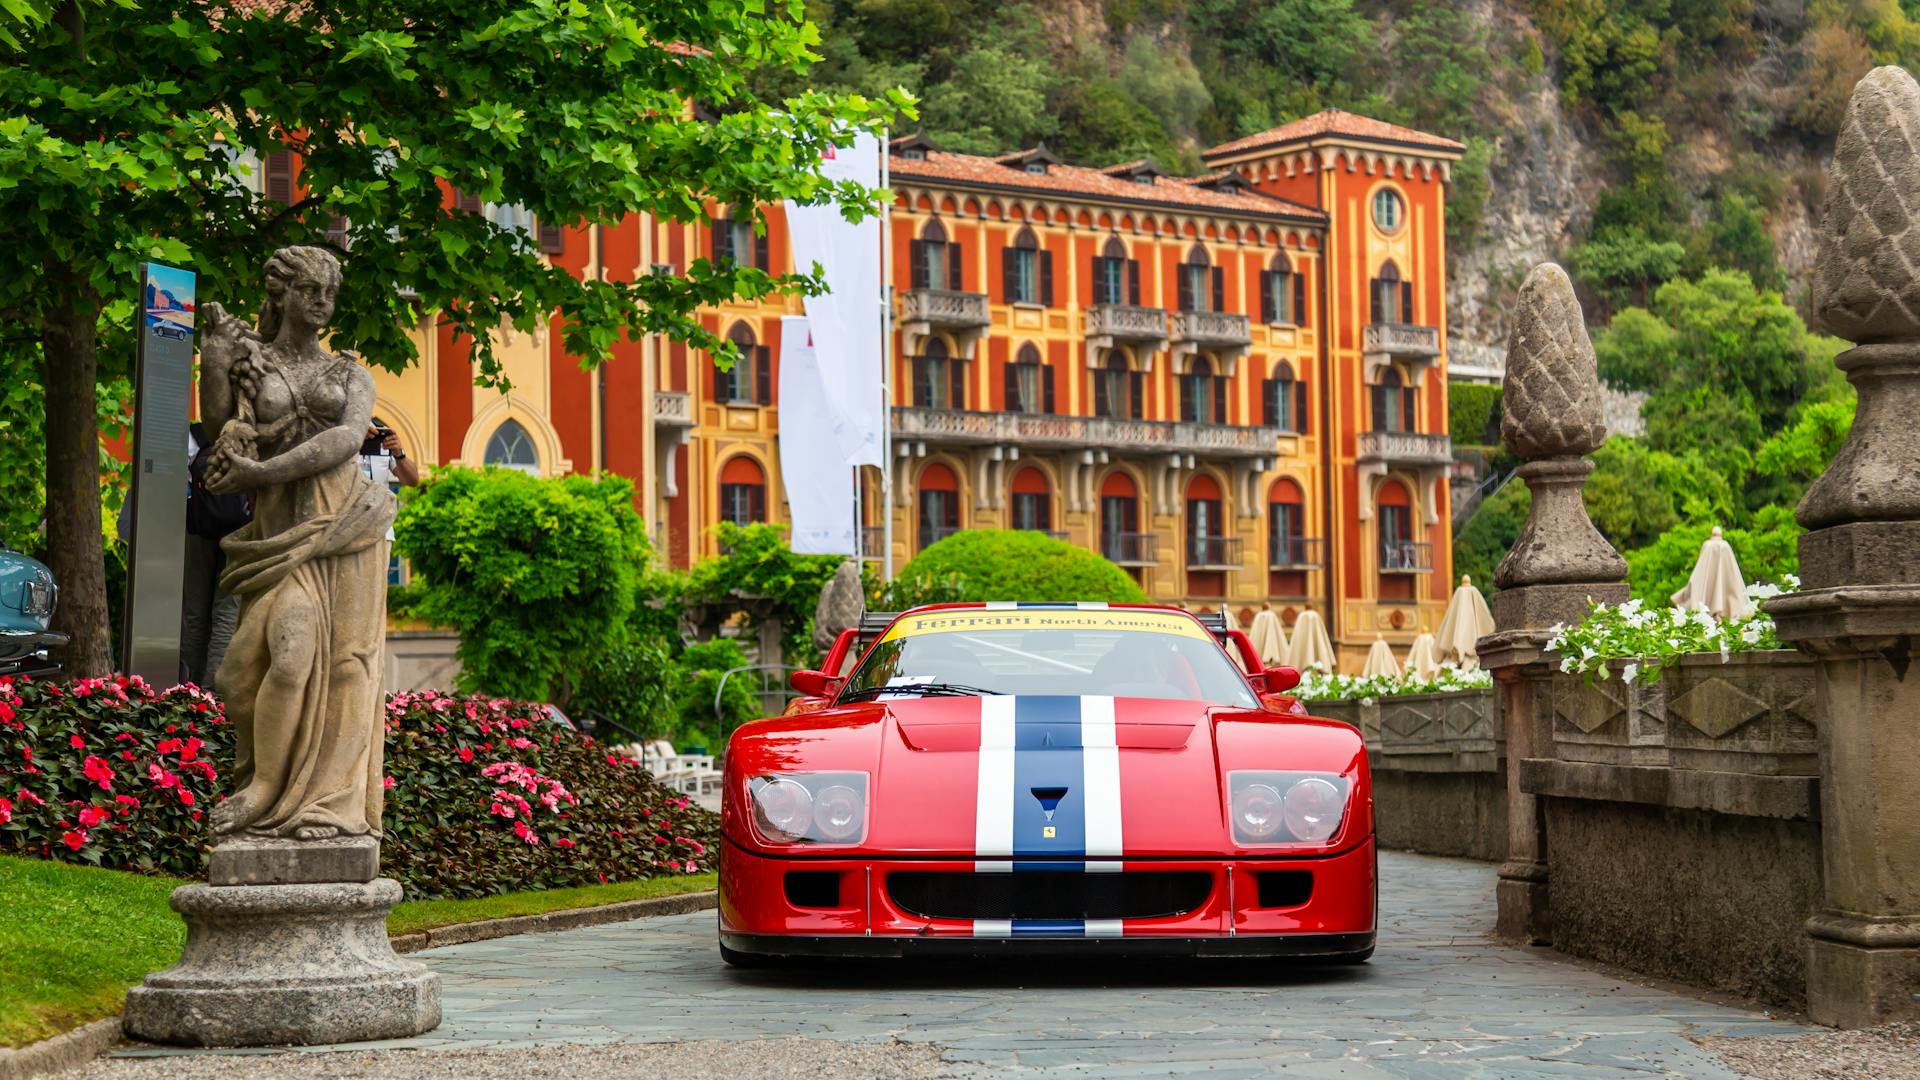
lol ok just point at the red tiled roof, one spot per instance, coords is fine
(1093, 184)
(1336, 123)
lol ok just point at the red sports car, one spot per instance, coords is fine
(1046, 778)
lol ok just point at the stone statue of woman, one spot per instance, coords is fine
(302, 678)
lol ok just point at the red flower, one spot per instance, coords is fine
(98, 771)
(127, 755)
(190, 749)
(563, 842)
(502, 809)
(6, 811)
(387, 782)
(92, 816)
(196, 815)
(521, 830)
(186, 797)
(26, 796)
(76, 742)
(161, 777)
(74, 840)
(466, 753)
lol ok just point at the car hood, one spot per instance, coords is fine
(986, 776)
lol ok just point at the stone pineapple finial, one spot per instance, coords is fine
(1551, 416)
(1866, 289)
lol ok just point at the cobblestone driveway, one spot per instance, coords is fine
(1438, 1000)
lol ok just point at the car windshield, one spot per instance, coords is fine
(1123, 653)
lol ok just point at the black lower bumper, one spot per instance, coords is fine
(1301, 946)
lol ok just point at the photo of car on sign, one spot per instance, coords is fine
(1046, 778)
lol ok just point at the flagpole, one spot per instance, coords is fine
(886, 361)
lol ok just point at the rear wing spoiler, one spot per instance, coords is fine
(875, 623)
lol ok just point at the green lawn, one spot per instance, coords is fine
(73, 938)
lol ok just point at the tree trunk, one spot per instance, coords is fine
(69, 351)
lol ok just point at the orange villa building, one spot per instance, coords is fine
(1232, 385)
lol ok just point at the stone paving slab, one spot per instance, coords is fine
(1439, 1000)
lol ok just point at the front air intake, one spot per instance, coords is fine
(1049, 894)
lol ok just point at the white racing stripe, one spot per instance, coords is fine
(1091, 605)
(993, 802)
(1104, 927)
(1002, 605)
(993, 928)
(1100, 764)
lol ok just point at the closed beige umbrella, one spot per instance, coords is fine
(1716, 584)
(1423, 657)
(1467, 621)
(1309, 648)
(1380, 661)
(1269, 637)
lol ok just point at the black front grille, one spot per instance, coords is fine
(1049, 894)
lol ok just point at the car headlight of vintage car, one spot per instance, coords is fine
(809, 808)
(1287, 807)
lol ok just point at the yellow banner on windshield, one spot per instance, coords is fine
(956, 620)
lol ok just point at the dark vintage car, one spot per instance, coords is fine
(27, 594)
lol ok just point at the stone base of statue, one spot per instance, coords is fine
(270, 965)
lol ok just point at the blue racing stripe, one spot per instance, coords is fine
(1062, 927)
(1048, 755)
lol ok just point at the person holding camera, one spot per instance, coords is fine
(383, 458)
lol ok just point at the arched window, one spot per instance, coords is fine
(1283, 400)
(1118, 389)
(939, 379)
(510, 447)
(935, 262)
(939, 504)
(1121, 540)
(1394, 404)
(1116, 278)
(1032, 501)
(743, 491)
(1203, 286)
(1392, 297)
(1026, 270)
(1283, 294)
(750, 382)
(1203, 395)
(1206, 523)
(1286, 526)
(734, 239)
(1029, 383)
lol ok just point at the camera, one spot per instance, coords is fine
(372, 446)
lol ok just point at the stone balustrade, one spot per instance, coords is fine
(1046, 431)
(672, 408)
(945, 309)
(1212, 330)
(1401, 341)
(1404, 448)
(1125, 322)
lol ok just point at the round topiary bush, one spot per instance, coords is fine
(1010, 564)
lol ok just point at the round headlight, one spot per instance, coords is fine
(1313, 809)
(781, 810)
(838, 813)
(1257, 812)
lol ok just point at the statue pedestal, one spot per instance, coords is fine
(285, 965)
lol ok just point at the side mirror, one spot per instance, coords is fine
(1282, 679)
(813, 683)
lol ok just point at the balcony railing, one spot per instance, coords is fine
(1402, 341)
(933, 534)
(1083, 432)
(1213, 553)
(672, 408)
(1294, 553)
(1406, 557)
(1212, 329)
(944, 308)
(1128, 548)
(1124, 322)
(1405, 448)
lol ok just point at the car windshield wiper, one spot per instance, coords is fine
(925, 689)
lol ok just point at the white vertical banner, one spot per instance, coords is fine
(846, 321)
(818, 494)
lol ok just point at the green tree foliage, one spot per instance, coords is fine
(1796, 456)
(1473, 414)
(1490, 533)
(1766, 550)
(538, 576)
(700, 673)
(109, 155)
(1624, 265)
(1014, 564)
(756, 563)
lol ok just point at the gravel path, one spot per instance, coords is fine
(704, 1060)
(1884, 1053)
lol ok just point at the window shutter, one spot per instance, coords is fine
(762, 260)
(763, 374)
(552, 239)
(953, 267)
(1270, 402)
(1006, 276)
(1408, 403)
(1185, 289)
(1380, 408)
(1046, 388)
(956, 383)
(722, 248)
(917, 262)
(717, 385)
(1010, 385)
(757, 502)
(1136, 393)
(1374, 308)
(278, 176)
(1220, 400)
(1219, 288)
(1101, 406)
(1406, 303)
(1133, 282)
(1300, 407)
(922, 385)
(1046, 278)
(1299, 312)
(1268, 291)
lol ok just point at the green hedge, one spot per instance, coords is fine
(1473, 414)
(1009, 564)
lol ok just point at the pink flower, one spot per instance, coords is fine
(466, 753)
(26, 796)
(501, 809)
(6, 811)
(98, 771)
(387, 782)
(159, 776)
(92, 816)
(521, 830)
(74, 840)
(76, 742)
